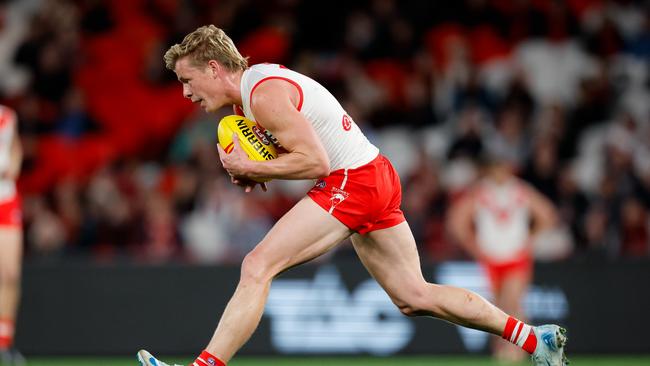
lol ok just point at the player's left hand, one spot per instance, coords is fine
(247, 184)
(236, 162)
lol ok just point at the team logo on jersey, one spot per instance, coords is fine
(346, 122)
(321, 184)
(338, 196)
(270, 137)
(260, 135)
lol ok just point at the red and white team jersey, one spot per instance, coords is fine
(7, 131)
(363, 190)
(502, 220)
(9, 201)
(346, 146)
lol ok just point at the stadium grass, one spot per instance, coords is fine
(341, 361)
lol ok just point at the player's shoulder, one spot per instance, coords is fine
(523, 185)
(268, 68)
(6, 110)
(264, 65)
(263, 74)
(7, 114)
(470, 194)
(272, 79)
(274, 71)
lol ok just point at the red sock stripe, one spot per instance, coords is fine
(521, 326)
(531, 342)
(6, 342)
(510, 327)
(6, 333)
(207, 359)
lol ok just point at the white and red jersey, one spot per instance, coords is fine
(7, 131)
(346, 146)
(502, 219)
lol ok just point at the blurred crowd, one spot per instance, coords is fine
(118, 166)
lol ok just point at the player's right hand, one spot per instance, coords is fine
(248, 184)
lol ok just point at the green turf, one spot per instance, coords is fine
(344, 361)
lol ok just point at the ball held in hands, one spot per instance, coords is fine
(251, 138)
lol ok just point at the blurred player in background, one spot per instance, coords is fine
(11, 239)
(357, 195)
(492, 221)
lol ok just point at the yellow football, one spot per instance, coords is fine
(252, 139)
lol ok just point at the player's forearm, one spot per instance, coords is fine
(471, 247)
(294, 165)
(16, 158)
(465, 237)
(544, 221)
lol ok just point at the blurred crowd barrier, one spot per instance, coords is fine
(316, 309)
(119, 166)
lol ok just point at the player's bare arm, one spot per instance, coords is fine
(15, 155)
(274, 105)
(543, 212)
(461, 225)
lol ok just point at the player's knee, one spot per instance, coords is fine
(413, 302)
(255, 269)
(10, 276)
(408, 310)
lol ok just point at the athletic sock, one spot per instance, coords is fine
(6, 333)
(520, 334)
(206, 359)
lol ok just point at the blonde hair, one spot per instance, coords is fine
(204, 44)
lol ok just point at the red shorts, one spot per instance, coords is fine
(522, 266)
(365, 199)
(11, 213)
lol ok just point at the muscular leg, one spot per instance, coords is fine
(508, 298)
(512, 292)
(11, 250)
(303, 233)
(391, 257)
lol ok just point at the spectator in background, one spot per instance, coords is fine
(158, 238)
(74, 121)
(469, 140)
(11, 235)
(509, 138)
(110, 215)
(635, 239)
(572, 205)
(46, 231)
(68, 206)
(542, 169)
(597, 231)
(424, 205)
(492, 223)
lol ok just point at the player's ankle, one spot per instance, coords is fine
(207, 359)
(7, 328)
(521, 334)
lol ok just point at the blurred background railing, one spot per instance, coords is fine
(333, 309)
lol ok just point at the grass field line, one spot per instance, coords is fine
(341, 361)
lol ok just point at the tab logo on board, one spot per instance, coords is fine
(320, 315)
